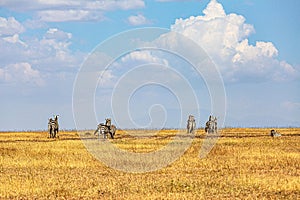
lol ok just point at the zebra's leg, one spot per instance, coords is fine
(190, 129)
(49, 132)
(101, 134)
(111, 135)
(104, 132)
(56, 133)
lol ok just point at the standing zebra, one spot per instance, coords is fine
(275, 133)
(53, 127)
(191, 124)
(211, 125)
(106, 128)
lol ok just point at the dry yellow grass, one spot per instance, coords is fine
(244, 164)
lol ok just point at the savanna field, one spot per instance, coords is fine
(245, 163)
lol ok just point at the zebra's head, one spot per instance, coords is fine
(107, 121)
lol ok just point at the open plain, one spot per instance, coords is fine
(245, 163)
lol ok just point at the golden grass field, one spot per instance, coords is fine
(246, 163)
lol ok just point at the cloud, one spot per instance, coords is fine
(144, 57)
(137, 20)
(69, 15)
(246, 52)
(56, 34)
(71, 10)
(14, 40)
(109, 77)
(10, 26)
(48, 54)
(116, 4)
(21, 72)
(75, 4)
(171, 0)
(225, 39)
(106, 79)
(34, 24)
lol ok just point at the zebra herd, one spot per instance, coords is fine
(105, 129)
(210, 126)
(108, 128)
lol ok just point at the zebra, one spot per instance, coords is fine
(106, 128)
(275, 133)
(53, 127)
(211, 125)
(191, 124)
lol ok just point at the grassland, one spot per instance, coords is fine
(244, 164)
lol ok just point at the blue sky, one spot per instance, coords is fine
(253, 43)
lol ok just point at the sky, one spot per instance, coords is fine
(252, 44)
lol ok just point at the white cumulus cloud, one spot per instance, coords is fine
(21, 72)
(24, 57)
(54, 33)
(10, 26)
(144, 57)
(225, 39)
(137, 20)
(15, 39)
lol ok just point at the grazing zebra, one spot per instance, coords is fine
(53, 127)
(275, 133)
(106, 128)
(211, 125)
(191, 124)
